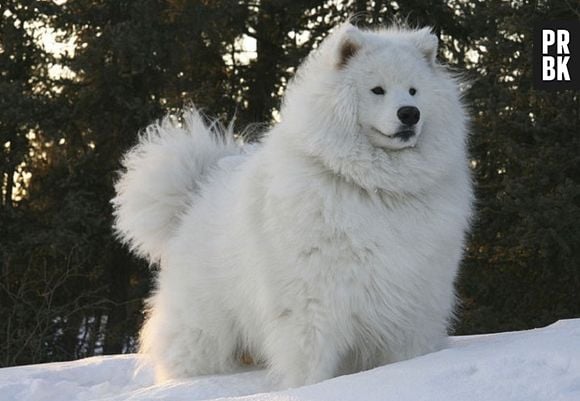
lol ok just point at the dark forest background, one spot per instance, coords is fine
(68, 290)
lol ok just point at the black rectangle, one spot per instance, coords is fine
(547, 59)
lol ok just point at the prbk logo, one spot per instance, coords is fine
(557, 55)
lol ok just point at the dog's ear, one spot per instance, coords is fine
(427, 43)
(349, 44)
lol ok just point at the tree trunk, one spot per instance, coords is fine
(115, 332)
(9, 190)
(261, 100)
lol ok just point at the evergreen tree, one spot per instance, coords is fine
(522, 268)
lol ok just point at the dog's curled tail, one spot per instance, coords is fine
(161, 176)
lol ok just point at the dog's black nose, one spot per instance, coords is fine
(409, 115)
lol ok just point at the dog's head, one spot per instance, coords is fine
(392, 84)
(378, 100)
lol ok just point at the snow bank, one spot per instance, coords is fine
(541, 364)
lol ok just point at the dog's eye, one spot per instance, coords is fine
(412, 91)
(377, 90)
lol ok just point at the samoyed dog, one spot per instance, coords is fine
(330, 247)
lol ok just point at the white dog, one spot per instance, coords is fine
(329, 248)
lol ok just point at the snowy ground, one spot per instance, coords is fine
(541, 364)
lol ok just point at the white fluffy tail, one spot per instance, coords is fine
(160, 176)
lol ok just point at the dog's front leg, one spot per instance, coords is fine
(301, 351)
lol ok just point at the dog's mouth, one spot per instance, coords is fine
(403, 135)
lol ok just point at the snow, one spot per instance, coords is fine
(541, 364)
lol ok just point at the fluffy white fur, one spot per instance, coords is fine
(330, 248)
